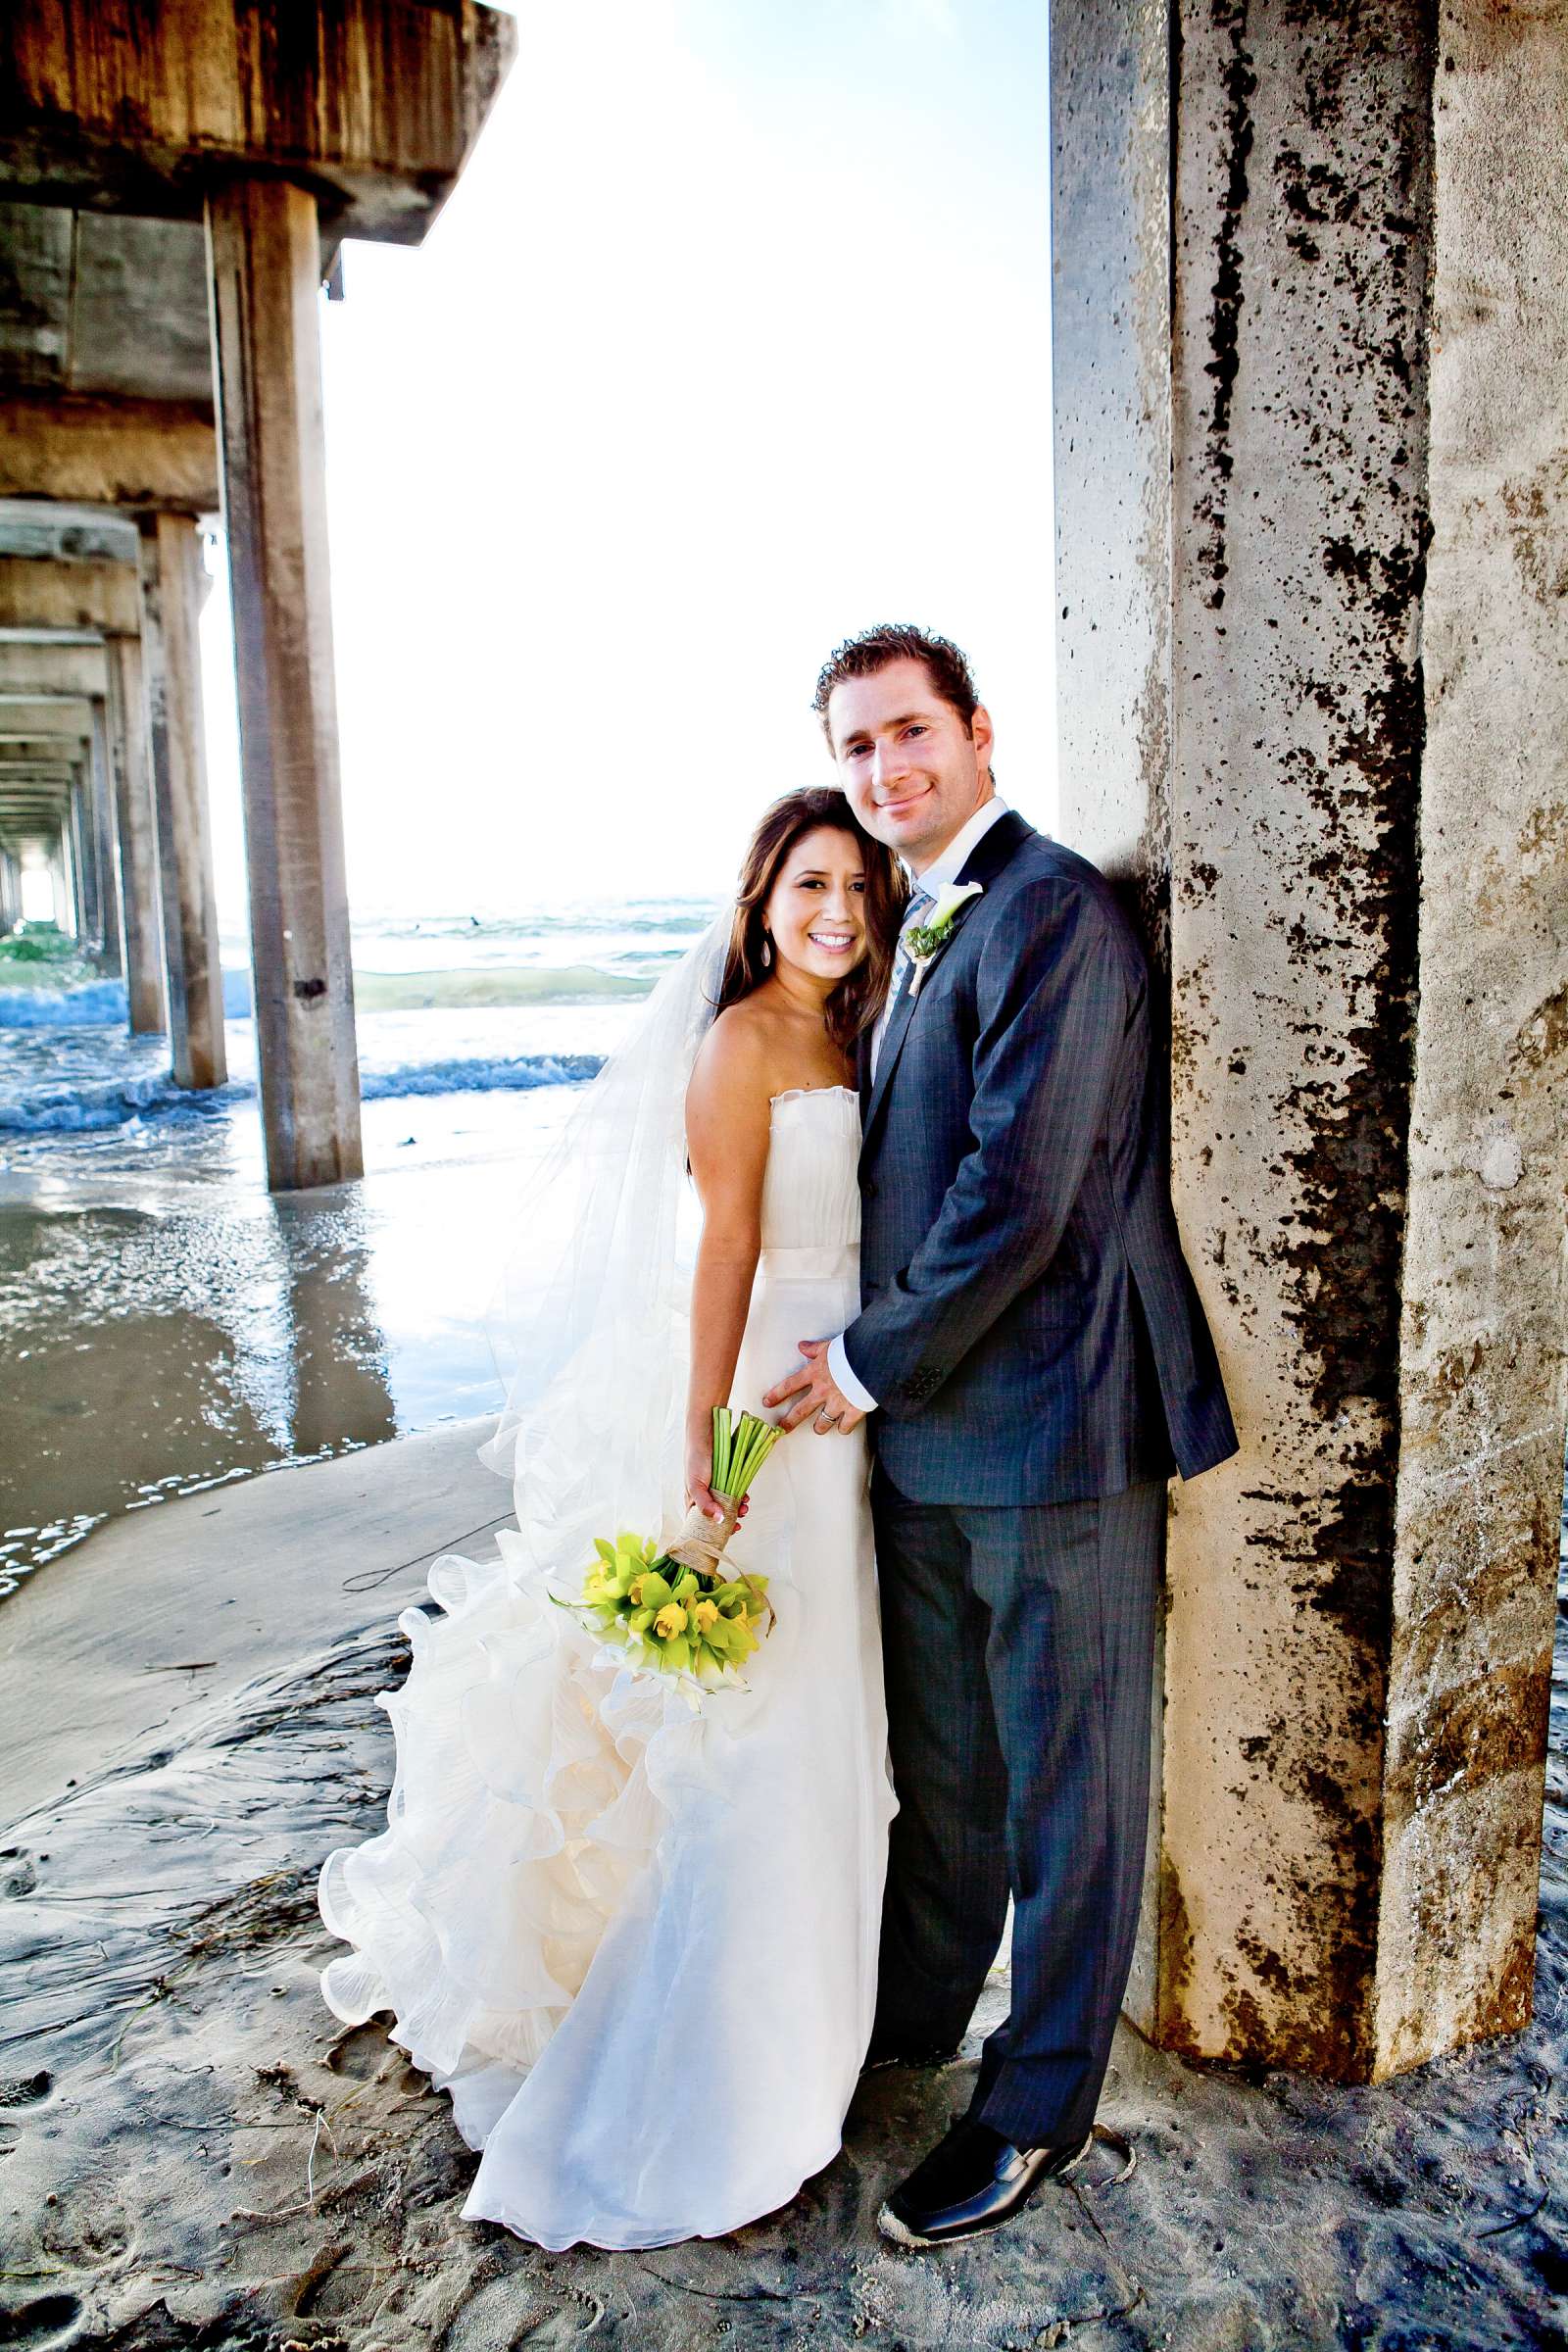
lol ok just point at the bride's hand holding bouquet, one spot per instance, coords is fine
(675, 1609)
(700, 1495)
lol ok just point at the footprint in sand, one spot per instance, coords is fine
(17, 1874)
(51, 2320)
(364, 2055)
(25, 2090)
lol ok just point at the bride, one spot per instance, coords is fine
(635, 1937)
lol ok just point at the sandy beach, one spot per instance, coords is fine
(479, 492)
(193, 2153)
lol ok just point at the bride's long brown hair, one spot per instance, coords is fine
(856, 999)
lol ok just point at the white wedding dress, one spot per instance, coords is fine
(636, 1942)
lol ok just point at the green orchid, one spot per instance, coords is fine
(679, 1616)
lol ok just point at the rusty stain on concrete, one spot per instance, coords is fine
(1368, 918)
(1239, 82)
(1534, 508)
(1542, 1036)
(1306, 536)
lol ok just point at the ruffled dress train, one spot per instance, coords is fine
(636, 1942)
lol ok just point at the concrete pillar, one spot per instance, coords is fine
(172, 564)
(62, 880)
(130, 755)
(264, 252)
(101, 805)
(1312, 529)
(9, 892)
(86, 911)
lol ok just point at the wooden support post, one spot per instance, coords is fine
(138, 839)
(171, 601)
(265, 255)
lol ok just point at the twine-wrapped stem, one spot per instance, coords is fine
(701, 1541)
(700, 1546)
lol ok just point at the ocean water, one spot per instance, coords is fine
(447, 1004)
(166, 1324)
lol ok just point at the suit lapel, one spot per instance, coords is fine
(899, 1018)
(862, 1069)
(984, 863)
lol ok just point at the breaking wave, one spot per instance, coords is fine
(444, 1005)
(90, 1004)
(79, 1107)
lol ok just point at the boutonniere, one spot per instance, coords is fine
(927, 940)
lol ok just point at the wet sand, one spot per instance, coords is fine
(166, 1326)
(193, 2154)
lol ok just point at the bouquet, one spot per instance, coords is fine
(677, 1610)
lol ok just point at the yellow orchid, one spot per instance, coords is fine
(675, 1612)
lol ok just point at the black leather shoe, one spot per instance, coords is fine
(972, 2180)
(881, 2056)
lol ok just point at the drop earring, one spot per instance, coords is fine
(767, 950)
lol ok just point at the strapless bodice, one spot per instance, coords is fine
(811, 1193)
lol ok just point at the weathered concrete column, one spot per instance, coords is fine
(138, 837)
(100, 801)
(62, 881)
(264, 251)
(172, 564)
(9, 892)
(1311, 536)
(87, 905)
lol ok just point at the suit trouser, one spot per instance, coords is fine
(1020, 1652)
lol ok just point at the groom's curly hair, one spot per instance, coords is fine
(898, 641)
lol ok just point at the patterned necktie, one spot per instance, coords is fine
(920, 904)
(914, 914)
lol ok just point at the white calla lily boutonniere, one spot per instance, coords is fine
(927, 941)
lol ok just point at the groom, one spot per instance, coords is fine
(1033, 1358)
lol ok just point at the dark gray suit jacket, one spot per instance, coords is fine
(1028, 1322)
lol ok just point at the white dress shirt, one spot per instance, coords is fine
(942, 871)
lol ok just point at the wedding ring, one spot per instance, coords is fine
(827, 1421)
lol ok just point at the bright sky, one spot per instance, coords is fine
(732, 340)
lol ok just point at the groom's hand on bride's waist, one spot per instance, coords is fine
(811, 1393)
